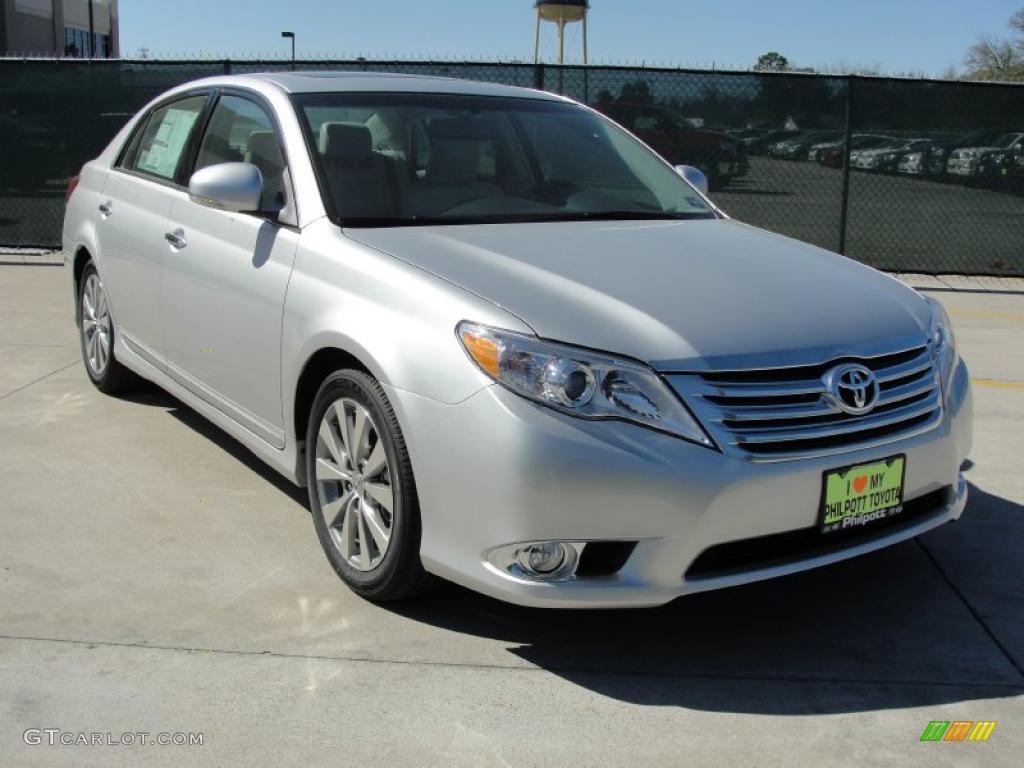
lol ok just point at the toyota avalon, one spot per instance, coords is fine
(503, 342)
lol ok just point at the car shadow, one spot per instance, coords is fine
(892, 629)
(876, 632)
(150, 394)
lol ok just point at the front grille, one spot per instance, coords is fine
(777, 549)
(780, 414)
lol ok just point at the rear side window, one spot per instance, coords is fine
(166, 136)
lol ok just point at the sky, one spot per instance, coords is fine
(894, 36)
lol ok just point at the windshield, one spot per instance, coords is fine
(1007, 139)
(404, 159)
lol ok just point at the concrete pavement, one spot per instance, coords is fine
(154, 576)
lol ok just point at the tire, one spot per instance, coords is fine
(357, 506)
(96, 326)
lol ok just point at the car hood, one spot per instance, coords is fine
(679, 295)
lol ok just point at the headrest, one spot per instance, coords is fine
(457, 129)
(345, 140)
(262, 144)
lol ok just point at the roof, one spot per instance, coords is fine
(332, 82)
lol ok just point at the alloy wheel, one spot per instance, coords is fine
(96, 335)
(353, 482)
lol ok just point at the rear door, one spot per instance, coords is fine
(134, 213)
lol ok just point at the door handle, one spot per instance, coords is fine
(106, 208)
(176, 239)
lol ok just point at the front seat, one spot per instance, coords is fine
(458, 149)
(362, 182)
(263, 151)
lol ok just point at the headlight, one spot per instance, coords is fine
(578, 382)
(916, 156)
(943, 343)
(1000, 158)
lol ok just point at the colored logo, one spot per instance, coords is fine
(958, 730)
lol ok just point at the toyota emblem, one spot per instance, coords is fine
(852, 388)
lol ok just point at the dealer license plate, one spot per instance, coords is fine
(861, 494)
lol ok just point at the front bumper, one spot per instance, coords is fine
(497, 469)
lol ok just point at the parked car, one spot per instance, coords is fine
(995, 166)
(747, 134)
(886, 158)
(1015, 173)
(931, 161)
(797, 147)
(719, 156)
(501, 341)
(975, 163)
(831, 153)
(759, 145)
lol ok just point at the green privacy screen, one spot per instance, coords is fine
(908, 175)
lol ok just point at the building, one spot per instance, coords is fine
(76, 28)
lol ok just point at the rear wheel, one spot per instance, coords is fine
(96, 332)
(361, 489)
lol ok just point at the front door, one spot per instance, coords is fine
(223, 291)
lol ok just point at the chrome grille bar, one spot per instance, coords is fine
(779, 414)
(747, 435)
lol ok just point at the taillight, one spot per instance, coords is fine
(72, 184)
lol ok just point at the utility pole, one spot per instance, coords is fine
(92, 33)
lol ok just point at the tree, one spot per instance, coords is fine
(998, 59)
(773, 61)
(636, 92)
(1017, 24)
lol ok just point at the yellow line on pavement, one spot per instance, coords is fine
(998, 383)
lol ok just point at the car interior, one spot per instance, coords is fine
(389, 162)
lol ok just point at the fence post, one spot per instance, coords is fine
(227, 66)
(845, 199)
(538, 76)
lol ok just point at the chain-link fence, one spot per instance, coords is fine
(908, 175)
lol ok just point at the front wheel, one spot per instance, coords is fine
(361, 489)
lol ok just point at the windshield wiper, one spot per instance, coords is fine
(636, 215)
(523, 218)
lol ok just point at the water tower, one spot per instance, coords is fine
(561, 13)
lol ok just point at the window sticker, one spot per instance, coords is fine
(161, 159)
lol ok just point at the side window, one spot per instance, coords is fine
(131, 147)
(240, 131)
(167, 134)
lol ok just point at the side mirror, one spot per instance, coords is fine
(234, 187)
(695, 176)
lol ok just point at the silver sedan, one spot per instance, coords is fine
(504, 343)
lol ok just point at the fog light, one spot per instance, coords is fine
(542, 559)
(536, 560)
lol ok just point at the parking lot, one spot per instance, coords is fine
(154, 576)
(899, 222)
